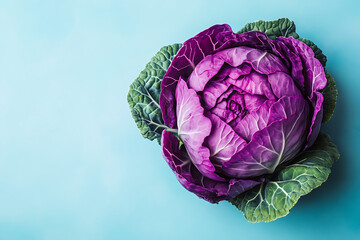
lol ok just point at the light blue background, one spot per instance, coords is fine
(72, 162)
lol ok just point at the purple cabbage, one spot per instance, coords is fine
(242, 104)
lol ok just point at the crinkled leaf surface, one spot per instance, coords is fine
(274, 198)
(281, 27)
(144, 92)
(330, 95)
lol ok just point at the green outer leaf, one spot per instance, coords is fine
(281, 27)
(317, 51)
(330, 95)
(144, 93)
(274, 198)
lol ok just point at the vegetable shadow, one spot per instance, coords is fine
(341, 172)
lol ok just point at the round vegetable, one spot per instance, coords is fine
(240, 105)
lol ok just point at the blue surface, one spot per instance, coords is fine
(72, 162)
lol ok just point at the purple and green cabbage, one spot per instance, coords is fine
(238, 115)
